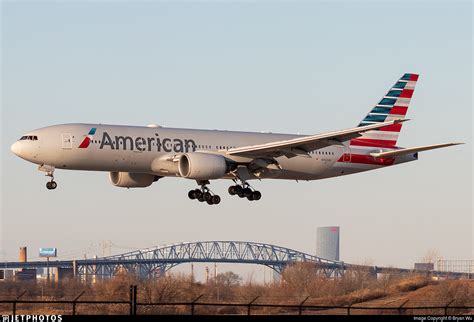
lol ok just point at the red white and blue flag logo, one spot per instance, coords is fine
(87, 140)
(392, 106)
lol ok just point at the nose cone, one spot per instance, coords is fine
(16, 148)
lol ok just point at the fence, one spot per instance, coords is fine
(248, 308)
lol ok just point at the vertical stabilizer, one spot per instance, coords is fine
(393, 105)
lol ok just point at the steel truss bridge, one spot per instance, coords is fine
(152, 262)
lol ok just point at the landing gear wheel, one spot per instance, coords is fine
(250, 197)
(51, 185)
(239, 191)
(192, 194)
(209, 201)
(216, 199)
(232, 190)
(207, 196)
(256, 195)
(247, 192)
(200, 198)
(197, 193)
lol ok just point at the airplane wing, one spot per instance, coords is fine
(302, 145)
(399, 152)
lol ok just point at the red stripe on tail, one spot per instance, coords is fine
(392, 128)
(399, 110)
(406, 93)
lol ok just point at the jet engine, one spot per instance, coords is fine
(203, 166)
(132, 180)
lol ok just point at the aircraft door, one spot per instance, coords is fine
(346, 156)
(66, 140)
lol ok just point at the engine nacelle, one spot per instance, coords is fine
(202, 166)
(132, 180)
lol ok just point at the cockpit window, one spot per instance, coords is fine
(29, 138)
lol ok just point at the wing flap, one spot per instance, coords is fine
(411, 150)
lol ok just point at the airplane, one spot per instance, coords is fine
(137, 156)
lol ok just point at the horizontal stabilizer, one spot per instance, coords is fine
(395, 153)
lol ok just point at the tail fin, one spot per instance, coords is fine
(393, 105)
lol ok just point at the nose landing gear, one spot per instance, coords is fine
(204, 194)
(50, 185)
(244, 190)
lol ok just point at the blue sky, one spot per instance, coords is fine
(303, 67)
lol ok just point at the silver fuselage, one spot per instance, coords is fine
(134, 149)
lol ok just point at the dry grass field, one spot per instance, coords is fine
(359, 290)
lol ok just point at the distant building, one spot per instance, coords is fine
(327, 242)
(63, 274)
(424, 266)
(22, 257)
(459, 266)
(7, 275)
(24, 274)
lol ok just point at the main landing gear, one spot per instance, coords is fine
(245, 191)
(204, 194)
